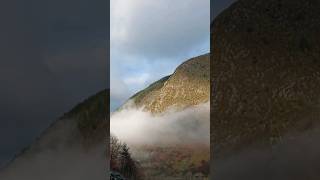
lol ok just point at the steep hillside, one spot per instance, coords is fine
(161, 140)
(187, 86)
(91, 116)
(73, 147)
(265, 69)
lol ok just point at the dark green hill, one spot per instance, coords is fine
(92, 115)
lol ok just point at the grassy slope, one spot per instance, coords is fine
(138, 97)
(91, 114)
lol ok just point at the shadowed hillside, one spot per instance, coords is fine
(73, 147)
(265, 78)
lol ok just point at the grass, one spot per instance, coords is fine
(138, 97)
(91, 114)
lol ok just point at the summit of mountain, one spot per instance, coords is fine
(188, 86)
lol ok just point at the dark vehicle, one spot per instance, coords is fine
(116, 176)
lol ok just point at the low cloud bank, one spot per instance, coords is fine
(137, 127)
(59, 154)
(64, 164)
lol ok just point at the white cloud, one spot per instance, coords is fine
(154, 29)
(135, 126)
(73, 163)
(139, 80)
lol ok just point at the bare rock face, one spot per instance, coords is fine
(189, 85)
(265, 72)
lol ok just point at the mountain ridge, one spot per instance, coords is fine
(187, 86)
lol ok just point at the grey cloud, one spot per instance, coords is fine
(154, 37)
(164, 29)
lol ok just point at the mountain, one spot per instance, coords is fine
(172, 140)
(265, 79)
(73, 147)
(187, 86)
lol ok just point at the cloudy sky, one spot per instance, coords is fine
(149, 39)
(52, 56)
(218, 6)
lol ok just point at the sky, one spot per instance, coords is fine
(218, 6)
(53, 55)
(149, 39)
